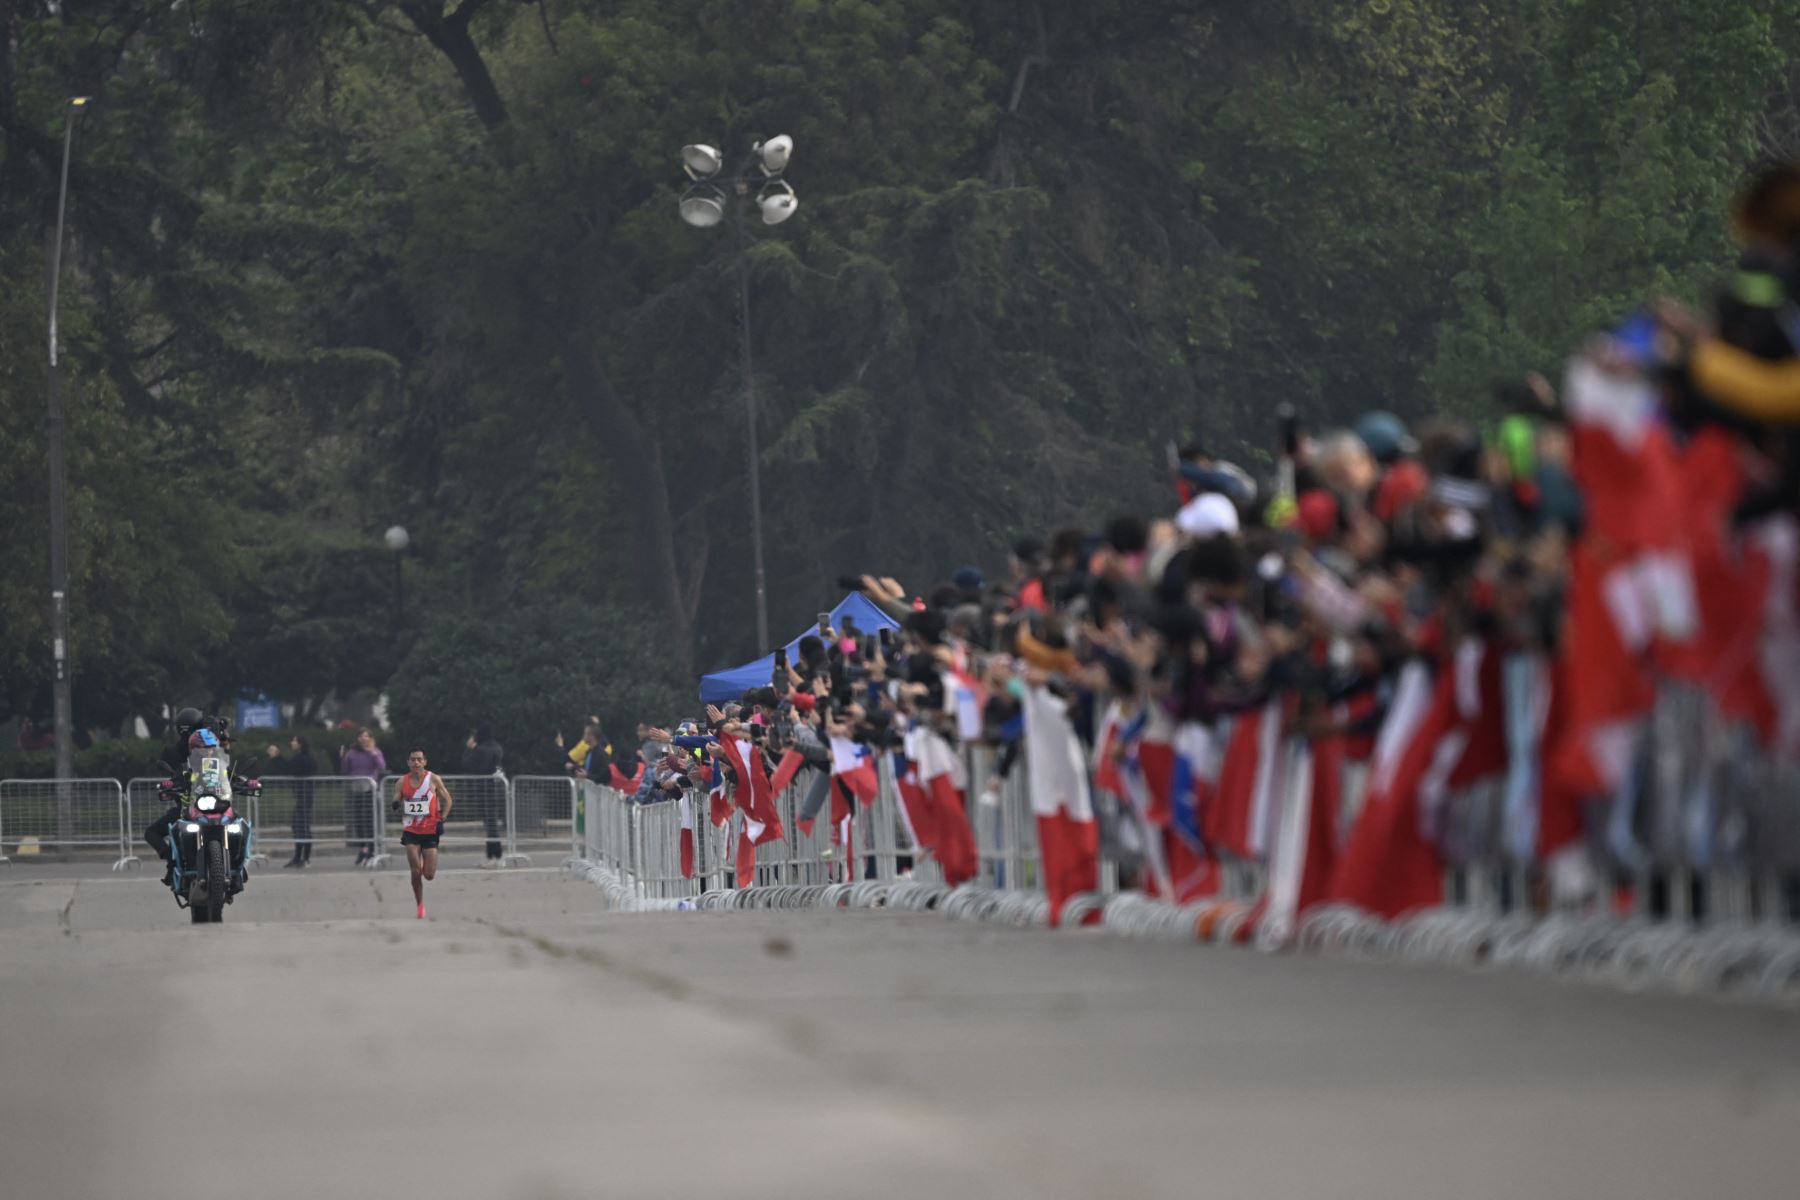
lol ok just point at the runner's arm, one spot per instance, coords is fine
(437, 781)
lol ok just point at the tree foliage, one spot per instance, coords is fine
(504, 671)
(347, 264)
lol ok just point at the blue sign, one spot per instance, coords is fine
(260, 713)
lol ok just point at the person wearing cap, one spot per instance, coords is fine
(592, 755)
(1385, 436)
(1209, 514)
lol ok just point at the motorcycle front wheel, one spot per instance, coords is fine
(217, 881)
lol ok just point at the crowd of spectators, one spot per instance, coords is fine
(1315, 580)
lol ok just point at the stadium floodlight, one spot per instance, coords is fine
(703, 207)
(775, 154)
(778, 203)
(701, 161)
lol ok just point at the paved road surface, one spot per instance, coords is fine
(522, 1045)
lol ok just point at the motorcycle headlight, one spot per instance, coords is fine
(236, 828)
(207, 803)
(192, 827)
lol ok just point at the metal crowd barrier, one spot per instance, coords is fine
(638, 846)
(542, 815)
(1005, 828)
(296, 811)
(1704, 840)
(293, 811)
(64, 816)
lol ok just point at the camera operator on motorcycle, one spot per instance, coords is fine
(192, 731)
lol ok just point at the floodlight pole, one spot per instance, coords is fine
(749, 369)
(739, 198)
(62, 703)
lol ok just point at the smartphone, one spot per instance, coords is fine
(824, 623)
(886, 637)
(1290, 429)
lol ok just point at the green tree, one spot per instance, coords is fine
(530, 673)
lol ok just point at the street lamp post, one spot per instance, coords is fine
(397, 540)
(62, 704)
(703, 205)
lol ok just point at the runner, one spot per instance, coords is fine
(424, 803)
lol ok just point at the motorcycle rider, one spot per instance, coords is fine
(192, 731)
(175, 759)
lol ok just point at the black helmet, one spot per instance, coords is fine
(187, 718)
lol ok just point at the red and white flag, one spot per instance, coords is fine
(852, 766)
(944, 782)
(1631, 590)
(762, 823)
(915, 807)
(1193, 871)
(746, 854)
(1241, 818)
(1067, 836)
(687, 837)
(720, 806)
(965, 697)
(1109, 754)
(1389, 867)
(789, 766)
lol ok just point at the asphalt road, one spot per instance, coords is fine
(523, 1045)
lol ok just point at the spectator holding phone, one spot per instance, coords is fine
(592, 756)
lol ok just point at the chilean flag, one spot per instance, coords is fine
(1304, 854)
(1241, 816)
(945, 783)
(1389, 867)
(720, 802)
(1141, 795)
(1149, 739)
(762, 823)
(915, 808)
(746, 856)
(1068, 839)
(1631, 589)
(791, 762)
(1108, 774)
(626, 783)
(1192, 871)
(687, 837)
(1195, 772)
(965, 698)
(852, 766)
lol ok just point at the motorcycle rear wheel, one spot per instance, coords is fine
(217, 881)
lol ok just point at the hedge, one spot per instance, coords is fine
(130, 758)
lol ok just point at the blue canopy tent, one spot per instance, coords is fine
(721, 686)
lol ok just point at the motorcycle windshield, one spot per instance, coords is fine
(210, 768)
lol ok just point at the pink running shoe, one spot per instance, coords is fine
(421, 912)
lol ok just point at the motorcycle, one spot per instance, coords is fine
(209, 842)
